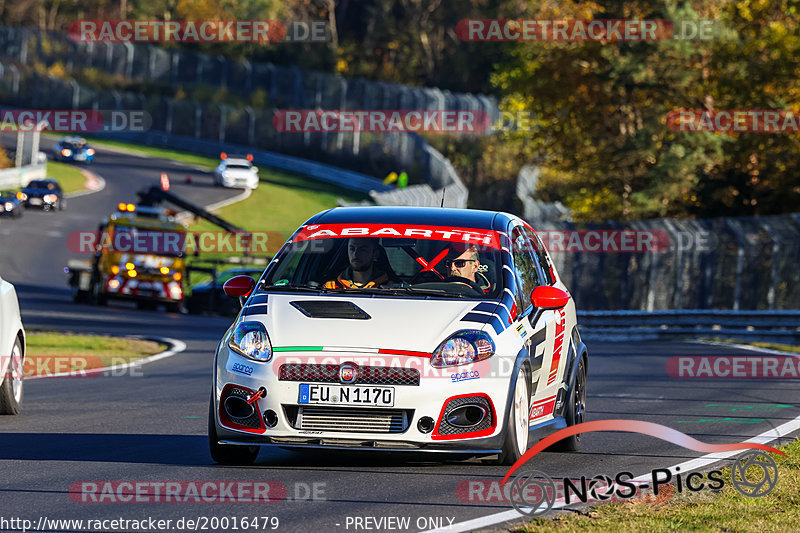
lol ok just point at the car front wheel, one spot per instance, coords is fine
(516, 441)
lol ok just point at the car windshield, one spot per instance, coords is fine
(400, 260)
(237, 167)
(37, 184)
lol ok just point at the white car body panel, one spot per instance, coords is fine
(10, 324)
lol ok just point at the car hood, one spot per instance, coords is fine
(394, 323)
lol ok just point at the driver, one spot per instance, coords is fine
(465, 268)
(363, 273)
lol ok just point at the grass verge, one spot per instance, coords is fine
(69, 177)
(51, 352)
(717, 511)
(188, 158)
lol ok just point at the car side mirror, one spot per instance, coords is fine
(546, 298)
(239, 286)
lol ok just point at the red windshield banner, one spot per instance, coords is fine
(479, 237)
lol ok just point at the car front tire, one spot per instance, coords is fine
(576, 410)
(226, 454)
(516, 440)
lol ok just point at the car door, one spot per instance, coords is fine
(542, 332)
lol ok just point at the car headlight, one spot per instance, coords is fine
(50, 198)
(66, 152)
(9, 206)
(22, 196)
(90, 151)
(250, 339)
(463, 348)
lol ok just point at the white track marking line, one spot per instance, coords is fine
(748, 347)
(176, 346)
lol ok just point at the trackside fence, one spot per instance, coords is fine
(733, 263)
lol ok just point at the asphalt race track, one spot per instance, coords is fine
(151, 425)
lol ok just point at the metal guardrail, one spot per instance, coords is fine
(754, 325)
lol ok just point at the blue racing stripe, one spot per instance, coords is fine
(494, 320)
(485, 307)
(255, 310)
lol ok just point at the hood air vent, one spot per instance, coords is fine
(330, 309)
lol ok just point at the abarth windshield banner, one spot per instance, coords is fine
(475, 236)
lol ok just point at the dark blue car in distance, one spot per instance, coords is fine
(73, 149)
(45, 193)
(10, 204)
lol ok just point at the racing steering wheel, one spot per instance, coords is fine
(465, 281)
(419, 276)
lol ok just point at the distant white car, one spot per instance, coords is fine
(12, 350)
(237, 172)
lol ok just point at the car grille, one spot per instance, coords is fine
(352, 419)
(367, 375)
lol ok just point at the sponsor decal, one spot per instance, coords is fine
(465, 376)
(542, 408)
(558, 344)
(240, 368)
(438, 233)
(521, 331)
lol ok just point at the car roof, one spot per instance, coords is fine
(427, 216)
(73, 140)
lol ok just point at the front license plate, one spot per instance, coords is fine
(35, 201)
(346, 395)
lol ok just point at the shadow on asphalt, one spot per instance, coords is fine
(185, 450)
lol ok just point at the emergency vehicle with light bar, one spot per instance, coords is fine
(130, 263)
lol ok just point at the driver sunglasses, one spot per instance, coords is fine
(459, 263)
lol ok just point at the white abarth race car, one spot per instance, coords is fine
(401, 329)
